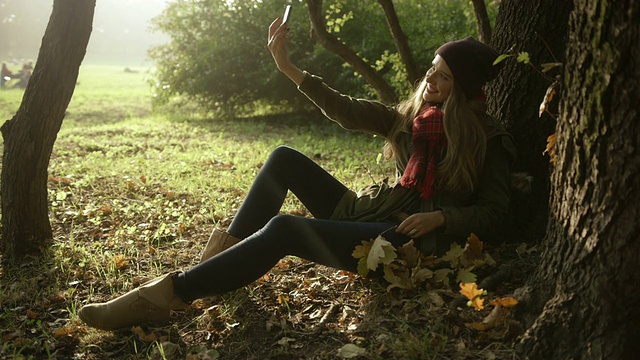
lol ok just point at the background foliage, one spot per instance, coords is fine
(217, 54)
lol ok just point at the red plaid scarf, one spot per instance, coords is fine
(428, 142)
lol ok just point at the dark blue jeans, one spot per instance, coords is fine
(268, 236)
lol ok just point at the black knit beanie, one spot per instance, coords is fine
(471, 64)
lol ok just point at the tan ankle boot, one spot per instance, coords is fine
(150, 302)
(219, 241)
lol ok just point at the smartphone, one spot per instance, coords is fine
(285, 18)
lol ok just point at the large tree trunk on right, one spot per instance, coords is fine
(588, 279)
(538, 27)
(30, 135)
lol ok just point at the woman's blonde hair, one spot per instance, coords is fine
(465, 131)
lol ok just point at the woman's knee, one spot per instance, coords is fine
(281, 224)
(285, 155)
(281, 151)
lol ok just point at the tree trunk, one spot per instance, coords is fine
(413, 75)
(590, 266)
(483, 25)
(331, 43)
(29, 136)
(538, 27)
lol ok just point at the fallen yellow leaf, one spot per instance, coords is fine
(63, 331)
(505, 302)
(471, 291)
(32, 314)
(120, 261)
(477, 326)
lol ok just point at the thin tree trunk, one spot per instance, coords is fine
(29, 136)
(540, 28)
(413, 75)
(593, 248)
(483, 25)
(331, 43)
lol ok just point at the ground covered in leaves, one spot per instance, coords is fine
(136, 196)
(297, 311)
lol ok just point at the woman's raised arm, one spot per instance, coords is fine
(276, 44)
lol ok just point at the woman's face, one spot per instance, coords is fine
(439, 82)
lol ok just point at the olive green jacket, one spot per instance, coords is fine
(480, 212)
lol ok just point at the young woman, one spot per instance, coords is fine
(452, 165)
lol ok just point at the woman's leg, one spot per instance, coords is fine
(286, 169)
(325, 242)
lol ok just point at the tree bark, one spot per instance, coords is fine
(540, 28)
(319, 33)
(483, 25)
(590, 266)
(413, 75)
(29, 136)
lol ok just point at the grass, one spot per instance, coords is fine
(134, 193)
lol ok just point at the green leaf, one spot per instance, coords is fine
(523, 57)
(466, 276)
(548, 66)
(61, 195)
(453, 254)
(442, 275)
(500, 58)
(363, 270)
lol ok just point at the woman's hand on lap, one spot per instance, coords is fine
(421, 224)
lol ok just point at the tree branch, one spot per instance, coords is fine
(331, 43)
(482, 21)
(401, 40)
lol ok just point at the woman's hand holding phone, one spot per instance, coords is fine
(276, 44)
(285, 17)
